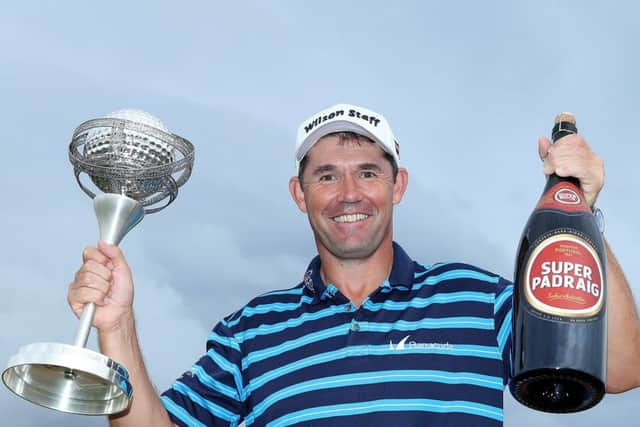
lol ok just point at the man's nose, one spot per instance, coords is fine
(350, 189)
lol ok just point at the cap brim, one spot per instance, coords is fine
(334, 127)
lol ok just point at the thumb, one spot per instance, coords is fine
(114, 254)
(543, 147)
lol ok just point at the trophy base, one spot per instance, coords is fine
(68, 378)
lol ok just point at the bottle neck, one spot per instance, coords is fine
(559, 130)
(554, 179)
(563, 129)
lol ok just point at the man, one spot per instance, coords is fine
(369, 337)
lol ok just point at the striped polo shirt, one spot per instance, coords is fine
(430, 347)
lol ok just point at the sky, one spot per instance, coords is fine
(468, 87)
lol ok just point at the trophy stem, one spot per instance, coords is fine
(86, 319)
(117, 215)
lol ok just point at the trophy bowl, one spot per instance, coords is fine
(130, 165)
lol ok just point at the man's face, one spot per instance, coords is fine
(348, 193)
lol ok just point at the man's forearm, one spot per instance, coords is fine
(145, 410)
(623, 354)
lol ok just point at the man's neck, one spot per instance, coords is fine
(357, 278)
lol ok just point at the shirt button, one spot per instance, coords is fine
(347, 307)
(355, 327)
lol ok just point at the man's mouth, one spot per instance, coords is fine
(350, 218)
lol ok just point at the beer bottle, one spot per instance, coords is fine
(559, 302)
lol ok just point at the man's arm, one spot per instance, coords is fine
(623, 342)
(105, 280)
(145, 410)
(572, 156)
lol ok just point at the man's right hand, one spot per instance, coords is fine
(105, 280)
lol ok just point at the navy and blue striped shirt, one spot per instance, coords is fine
(429, 347)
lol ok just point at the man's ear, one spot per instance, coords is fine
(297, 194)
(400, 186)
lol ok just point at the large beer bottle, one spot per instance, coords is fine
(559, 303)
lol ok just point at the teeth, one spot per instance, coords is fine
(350, 218)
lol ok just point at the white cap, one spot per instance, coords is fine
(346, 118)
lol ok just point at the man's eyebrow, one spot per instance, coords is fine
(370, 166)
(328, 167)
(323, 169)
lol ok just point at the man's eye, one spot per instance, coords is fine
(327, 178)
(368, 174)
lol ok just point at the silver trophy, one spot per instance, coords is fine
(138, 165)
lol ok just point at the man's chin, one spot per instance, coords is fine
(352, 252)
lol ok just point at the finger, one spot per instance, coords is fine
(572, 149)
(567, 162)
(548, 168)
(88, 279)
(94, 254)
(114, 254)
(543, 147)
(98, 269)
(80, 297)
(573, 157)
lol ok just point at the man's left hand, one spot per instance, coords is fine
(572, 156)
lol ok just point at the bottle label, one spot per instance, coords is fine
(563, 277)
(564, 196)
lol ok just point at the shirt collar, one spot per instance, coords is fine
(313, 283)
(401, 277)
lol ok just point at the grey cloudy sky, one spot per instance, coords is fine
(467, 86)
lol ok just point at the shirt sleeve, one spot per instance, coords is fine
(502, 314)
(211, 393)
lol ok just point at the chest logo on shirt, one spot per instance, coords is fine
(404, 344)
(400, 345)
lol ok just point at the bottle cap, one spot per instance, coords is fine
(565, 117)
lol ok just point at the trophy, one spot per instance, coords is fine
(137, 165)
